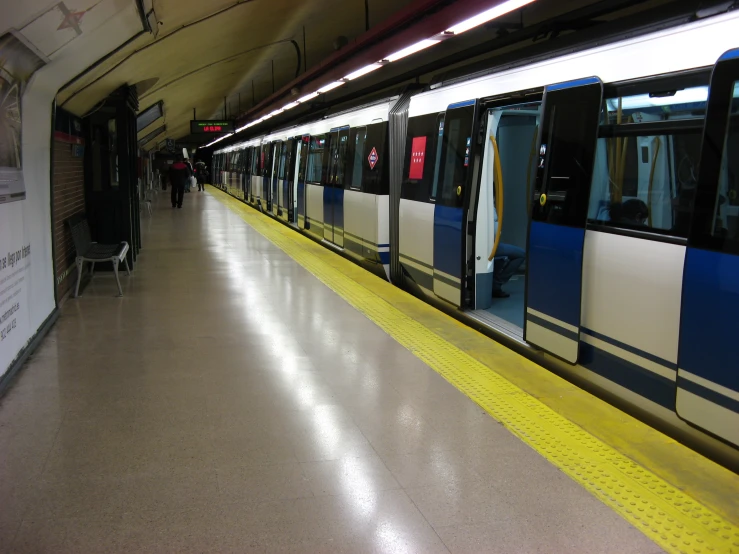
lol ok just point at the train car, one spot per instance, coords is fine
(329, 178)
(583, 207)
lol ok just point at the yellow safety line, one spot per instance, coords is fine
(668, 515)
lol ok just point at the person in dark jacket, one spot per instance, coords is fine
(179, 176)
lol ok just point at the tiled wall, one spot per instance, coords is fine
(68, 192)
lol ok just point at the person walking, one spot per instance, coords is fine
(200, 175)
(179, 177)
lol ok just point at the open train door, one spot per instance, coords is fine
(707, 376)
(564, 169)
(449, 212)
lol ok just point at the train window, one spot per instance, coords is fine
(375, 176)
(437, 157)
(726, 211)
(341, 157)
(455, 155)
(283, 160)
(646, 163)
(360, 137)
(315, 159)
(303, 158)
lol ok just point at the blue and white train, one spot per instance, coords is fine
(584, 209)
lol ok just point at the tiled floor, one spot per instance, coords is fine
(232, 403)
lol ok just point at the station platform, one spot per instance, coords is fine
(254, 391)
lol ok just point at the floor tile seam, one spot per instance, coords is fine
(332, 280)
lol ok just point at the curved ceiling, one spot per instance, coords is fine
(205, 51)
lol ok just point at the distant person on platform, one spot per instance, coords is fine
(200, 175)
(179, 177)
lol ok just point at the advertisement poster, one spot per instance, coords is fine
(17, 65)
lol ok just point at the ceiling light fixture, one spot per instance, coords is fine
(218, 140)
(412, 49)
(363, 71)
(307, 97)
(488, 15)
(289, 106)
(330, 86)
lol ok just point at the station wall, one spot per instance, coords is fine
(27, 284)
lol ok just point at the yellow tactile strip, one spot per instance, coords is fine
(665, 513)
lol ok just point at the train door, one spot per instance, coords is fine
(266, 176)
(564, 167)
(292, 183)
(449, 212)
(286, 180)
(279, 192)
(247, 174)
(502, 216)
(707, 379)
(277, 160)
(302, 156)
(333, 191)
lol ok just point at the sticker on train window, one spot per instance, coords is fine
(467, 153)
(418, 156)
(373, 158)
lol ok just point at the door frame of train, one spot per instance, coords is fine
(301, 183)
(451, 215)
(556, 235)
(292, 187)
(486, 105)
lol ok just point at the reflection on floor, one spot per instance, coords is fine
(511, 309)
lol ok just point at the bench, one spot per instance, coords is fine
(88, 251)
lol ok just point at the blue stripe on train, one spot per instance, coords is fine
(573, 84)
(710, 307)
(448, 240)
(629, 348)
(654, 387)
(555, 271)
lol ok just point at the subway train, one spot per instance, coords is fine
(583, 209)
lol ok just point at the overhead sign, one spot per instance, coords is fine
(372, 158)
(210, 126)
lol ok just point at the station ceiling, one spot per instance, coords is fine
(230, 55)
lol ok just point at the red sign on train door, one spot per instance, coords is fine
(372, 158)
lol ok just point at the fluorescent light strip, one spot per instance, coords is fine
(307, 97)
(289, 106)
(363, 71)
(330, 86)
(489, 15)
(412, 49)
(218, 140)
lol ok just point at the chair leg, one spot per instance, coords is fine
(92, 269)
(125, 262)
(80, 263)
(117, 280)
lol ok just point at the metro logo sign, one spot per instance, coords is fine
(373, 158)
(418, 157)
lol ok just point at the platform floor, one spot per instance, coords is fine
(232, 402)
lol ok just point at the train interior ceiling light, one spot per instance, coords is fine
(457, 29)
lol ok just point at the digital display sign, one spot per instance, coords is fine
(208, 127)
